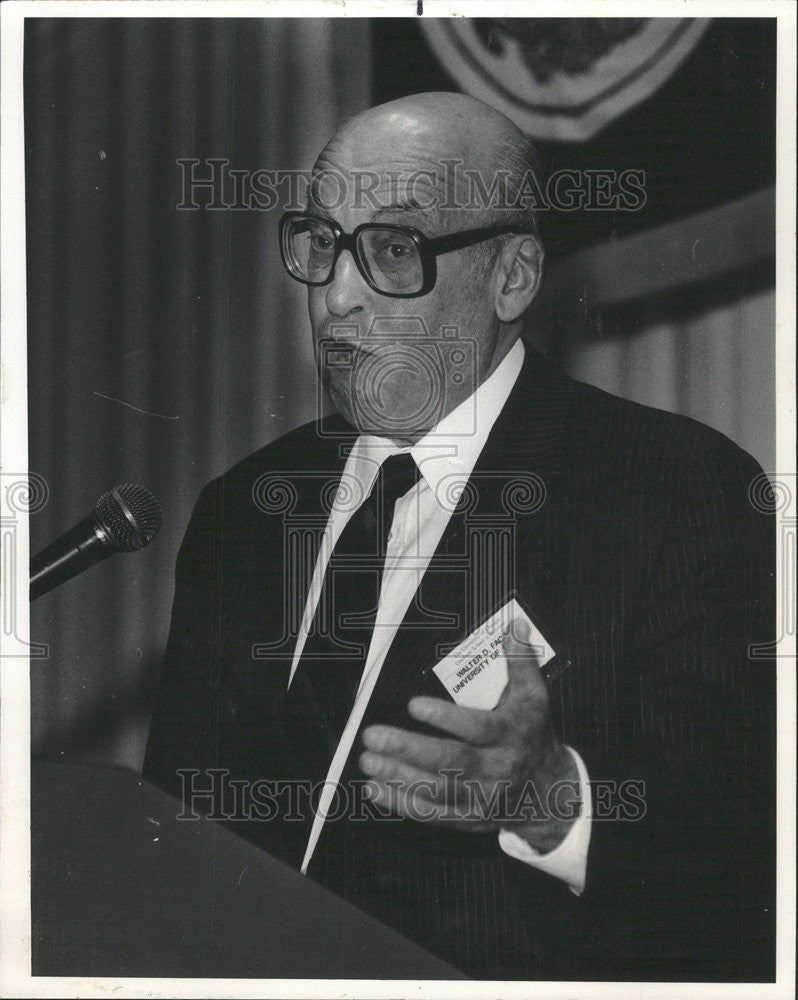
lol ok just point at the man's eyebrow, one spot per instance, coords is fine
(409, 207)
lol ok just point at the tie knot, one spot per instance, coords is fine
(397, 475)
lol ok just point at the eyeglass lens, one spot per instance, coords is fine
(389, 259)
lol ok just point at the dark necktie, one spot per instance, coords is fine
(328, 674)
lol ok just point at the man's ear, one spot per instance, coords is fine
(518, 273)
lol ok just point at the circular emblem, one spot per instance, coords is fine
(562, 79)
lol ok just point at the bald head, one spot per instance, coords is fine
(446, 153)
(444, 124)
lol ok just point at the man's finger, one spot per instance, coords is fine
(474, 725)
(384, 768)
(429, 753)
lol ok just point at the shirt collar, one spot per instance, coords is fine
(446, 455)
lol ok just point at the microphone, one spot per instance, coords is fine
(124, 519)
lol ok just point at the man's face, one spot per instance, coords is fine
(394, 367)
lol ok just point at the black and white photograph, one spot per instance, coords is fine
(399, 499)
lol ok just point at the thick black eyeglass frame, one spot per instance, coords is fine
(429, 249)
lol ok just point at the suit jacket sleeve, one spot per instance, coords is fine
(680, 870)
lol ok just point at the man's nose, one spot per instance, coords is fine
(348, 291)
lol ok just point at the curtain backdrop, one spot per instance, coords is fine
(716, 365)
(164, 344)
(681, 317)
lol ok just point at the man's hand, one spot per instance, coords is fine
(503, 768)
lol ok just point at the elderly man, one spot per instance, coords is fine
(473, 652)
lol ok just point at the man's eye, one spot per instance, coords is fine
(320, 242)
(395, 252)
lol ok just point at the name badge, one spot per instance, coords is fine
(475, 672)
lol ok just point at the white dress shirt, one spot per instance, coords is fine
(446, 457)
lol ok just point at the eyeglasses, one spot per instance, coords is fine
(395, 260)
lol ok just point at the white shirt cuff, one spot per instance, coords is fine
(568, 861)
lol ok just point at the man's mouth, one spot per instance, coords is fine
(335, 355)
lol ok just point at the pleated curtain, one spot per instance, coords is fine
(164, 344)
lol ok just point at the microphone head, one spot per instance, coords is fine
(130, 515)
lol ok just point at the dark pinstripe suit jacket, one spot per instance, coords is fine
(629, 536)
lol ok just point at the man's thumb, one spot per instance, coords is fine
(523, 664)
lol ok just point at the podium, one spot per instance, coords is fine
(121, 887)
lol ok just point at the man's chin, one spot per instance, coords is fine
(384, 412)
(396, 427)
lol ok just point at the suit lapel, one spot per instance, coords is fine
(501, 517)
(290, 514)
